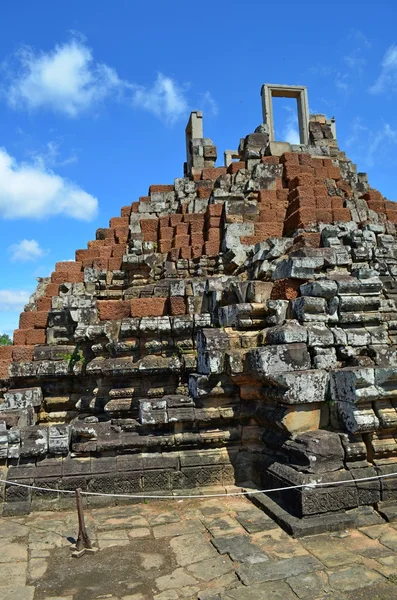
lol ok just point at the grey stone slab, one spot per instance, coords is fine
(275, 590)
(353, 577)
(379, 591)
(274, 570)
(255, 521)
(240, 548)
(14, 593)
(309, 585)
(190, 549)
(211, 568)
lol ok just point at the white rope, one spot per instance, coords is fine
(310, 485)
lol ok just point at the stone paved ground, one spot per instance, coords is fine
(207, 549)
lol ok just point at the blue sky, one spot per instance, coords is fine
(94, 98)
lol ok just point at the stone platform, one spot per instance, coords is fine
(204, 549)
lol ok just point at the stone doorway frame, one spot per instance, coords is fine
(270, 91)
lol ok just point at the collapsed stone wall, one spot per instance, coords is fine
(237, 326)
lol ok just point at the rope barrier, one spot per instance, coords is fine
(310, 485)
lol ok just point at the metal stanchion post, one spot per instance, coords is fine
(83, 543)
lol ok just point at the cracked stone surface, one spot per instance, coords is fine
(181, 558)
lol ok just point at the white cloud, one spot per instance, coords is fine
(66, 79)
(13, 300)
(165, 99)
(370, 145)
(26, 250)
(49, 157)
(31, 191)
(208, 101)
(387, 79)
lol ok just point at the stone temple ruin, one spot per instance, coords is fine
(238, 326)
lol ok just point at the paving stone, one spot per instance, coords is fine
(309, 585)
(389, 539)
(379, 591)
(107, 539)
(211, 568)
(17, 593)
(223, 525)
(167, 595)
(13, 553)
(9, 530)
(240, 548)
(331, 551)
(175, 580)
(255, 521)
(36, 569)
(14, 573)
(139, 532)
(163, 518)
(151, 561)
(274, 590)
(189, 591)
(274, 570)
(180, 528)
(134, 521)
(353, 577)
(192, 548)
(375, 531)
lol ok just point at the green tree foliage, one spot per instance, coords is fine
(5, 340)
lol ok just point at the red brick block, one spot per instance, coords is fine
(51, 290)
(22, 353)
(390, 205)
(265, 230)
(161, 188)
(44, 303)
(320, 190)
(164, 221)
(113, 310)
(26, 320)
(204, 192)
(307, 238)
(197, 239)
(373, 195)
(182, 229)
(282, 195)
(291, 171)
(193, 218)
(149, 228)
(68, 267)
(165, 246)
(92, 244)
(86, 254)
(148, 307)
(121, 235)
(324, 216)
(181, 241)
(117, 222)
(213, 235)
(290, 158)
(135, 207)
(215, 210)
(35, 336)
(213, 222)
(377, 206)
(126, 211)
(213, 173)
(104, 233)
(115, 263)
(196, 227)
(144, 199)
(177, 305)
(118, 251)
(166, 233)
(327, 162)
(286, 289)
(175, 219)
(270, 160)
(235, 167)
(211, 248)
(336, 202)
(106, 251)
(197, 250)
(4, 369)
(19, 338)
(341, 214)
(334, 173)
(391, 216)
(40, 319)
(267, 196)
(6, 352)
(324, 203)
(321, 173)
(304, 179)
(306, 159)
(186, 252)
